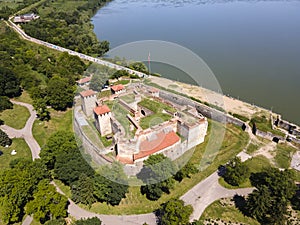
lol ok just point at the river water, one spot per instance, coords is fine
(252, 47)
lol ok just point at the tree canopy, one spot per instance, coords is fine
(174, 212)
(4, 139)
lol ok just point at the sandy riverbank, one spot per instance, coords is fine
(229, 104)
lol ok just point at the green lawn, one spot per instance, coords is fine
(42, 130)
(128, 98)
(264, 124)
(25, 97)
(124, 82)
(234, 141)
(252, 148)
(284, 155)
(21, 148)
(154, 119)
(156, 106)
(15, 117)
(227, 213)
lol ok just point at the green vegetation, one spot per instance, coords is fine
(269, 201)
(264, 124)
(67, 24)
(121, 115)
(252, 148)
(139, 66)
(156, 106)
(157, 175)
(154, 119)
(128, 98)
(174, 212)
(100, 75)
(10, 7)
(22, 149)
(15, 117)
(89, 221)
(60, 121)
(105, 93)
(19, 185)
(241, 117)
(222, 211)
(124, 82)
(4, 139)
(284, 155)
(235, 140)
(236, 172)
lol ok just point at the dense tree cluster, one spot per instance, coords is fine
(68, 27)
(89, 221)
(157, 173)
(139, 66)
(23, 188)
(174, 212)
(269, 201)
(100, 75)
(48, 76)
(62, 156)
(6, 11)
(236, 172)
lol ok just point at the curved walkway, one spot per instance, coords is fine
(200, 196)
(26, 131)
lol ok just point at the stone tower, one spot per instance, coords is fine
(88, 101)
(103, 119)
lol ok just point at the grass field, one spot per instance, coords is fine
(227, 213)
(154, 119)
(15, 117)
(42, 130)
(155, 106)
(135, 203)
(128, 98)
(284, 155)
(22, 149)
(25, 97)
(252, 148)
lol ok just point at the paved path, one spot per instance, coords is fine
(26, 131)
(208, 191)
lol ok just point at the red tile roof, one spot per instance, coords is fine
(87, 93)
(162, 141)
(118, 87)
(84, 80)
(102, 109)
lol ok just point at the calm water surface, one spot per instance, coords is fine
(253, 47)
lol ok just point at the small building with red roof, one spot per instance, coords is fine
(117, 89)
(84, 81)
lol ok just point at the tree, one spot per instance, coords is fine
(89, 221)
(274, 189)
(174, 212)
(139, 66)
(120, 73)
(60, 93)
(236, 172)
(4, 139)
(157, 173)
(40, 105)
(47, 203)
(83, 190)
(186, 171)
(5, 103)
(9, 83)
(56, 222)
(111, 188)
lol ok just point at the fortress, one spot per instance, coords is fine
(140, 122)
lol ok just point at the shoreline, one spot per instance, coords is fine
(230, 104)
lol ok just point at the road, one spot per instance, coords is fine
(71, 52)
